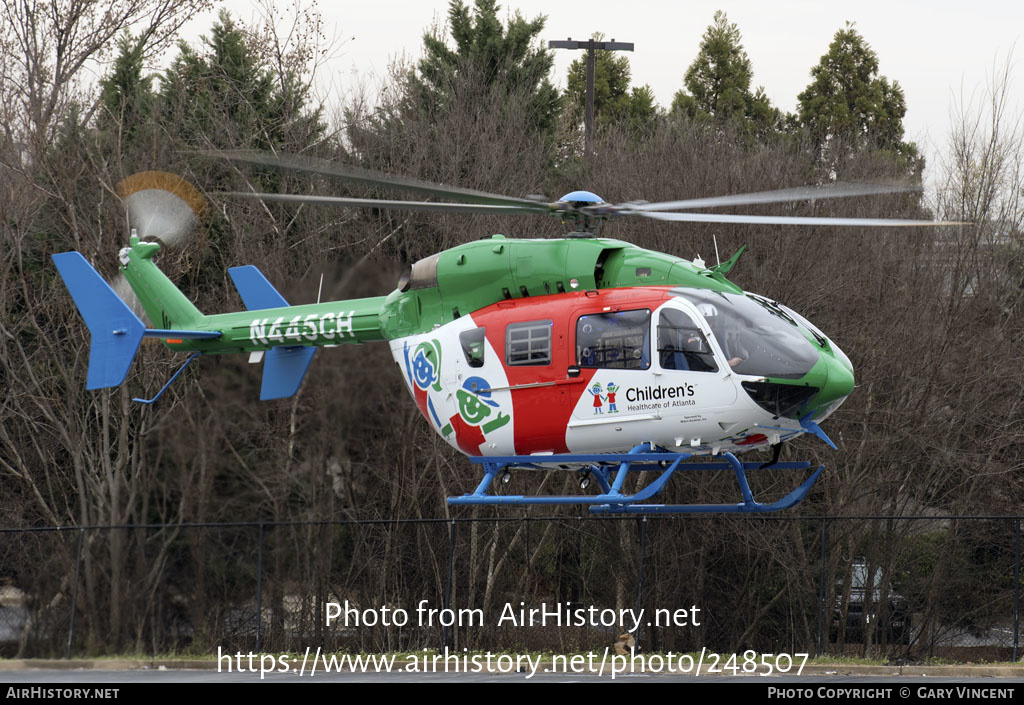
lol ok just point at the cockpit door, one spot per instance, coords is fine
(686, 351)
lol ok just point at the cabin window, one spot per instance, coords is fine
(528, 343)
(473, 346)
(681, 345)
(619, 340)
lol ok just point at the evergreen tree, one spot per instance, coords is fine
(847, 100)
(718, 82)
(489, 54)
(126, 97)
(229, 98)
(642, 110)
(613, 100)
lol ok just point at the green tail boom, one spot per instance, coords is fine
(289, 335)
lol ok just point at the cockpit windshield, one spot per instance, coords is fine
(757, 335)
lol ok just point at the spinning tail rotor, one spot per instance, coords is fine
(161, 208)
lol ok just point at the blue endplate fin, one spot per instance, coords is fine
(257, 293)
(283, 367)
(283, 370)
(116, 331)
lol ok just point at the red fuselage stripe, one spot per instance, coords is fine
(542, 414)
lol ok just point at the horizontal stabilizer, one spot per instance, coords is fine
(257, 293)
(116, 330)
(192, 334)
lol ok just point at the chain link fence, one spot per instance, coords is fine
(902, 588)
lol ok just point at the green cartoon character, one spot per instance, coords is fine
(612, 389)
(475, 405)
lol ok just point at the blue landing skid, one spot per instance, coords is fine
(642, 458)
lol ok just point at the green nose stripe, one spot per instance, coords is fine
(838, 383)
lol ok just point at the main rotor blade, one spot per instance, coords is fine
(787, 220)
(372, 178)
(801, 193)
(534, 209)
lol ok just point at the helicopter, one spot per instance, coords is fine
(580, 353)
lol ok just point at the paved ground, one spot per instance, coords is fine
(184, 671)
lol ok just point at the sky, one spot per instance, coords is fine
(937, 50)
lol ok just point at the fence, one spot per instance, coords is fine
(905, 588)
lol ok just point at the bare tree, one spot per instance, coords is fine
(46, 45)
(982, 173)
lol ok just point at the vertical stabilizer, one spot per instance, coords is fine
(116, 331)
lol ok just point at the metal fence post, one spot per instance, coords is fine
(821, 589)
(259, 591)
(1016, 591)
(640, 573)
(74, 592)
(448, 586)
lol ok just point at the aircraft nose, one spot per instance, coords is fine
(839, 381)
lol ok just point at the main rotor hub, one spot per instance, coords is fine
(581, 198)
(580, 212)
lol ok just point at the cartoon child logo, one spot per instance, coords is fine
(598, 397)
(612, 390)
(473, 420)
(474, 398)
(425, 364)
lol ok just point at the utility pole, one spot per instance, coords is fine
(591, 46)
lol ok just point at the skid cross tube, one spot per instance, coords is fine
(642, 458)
